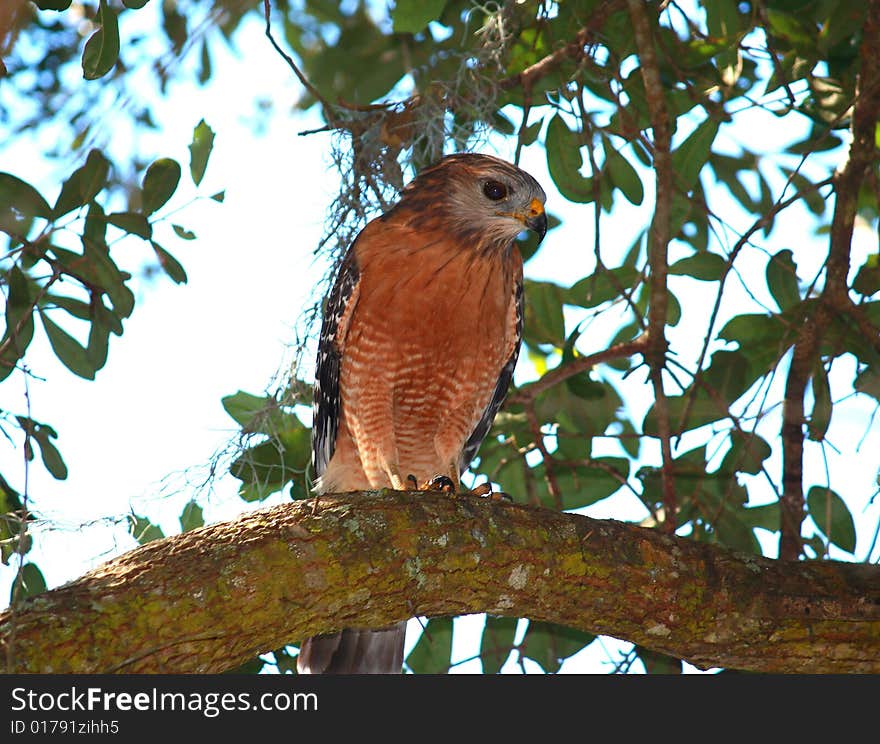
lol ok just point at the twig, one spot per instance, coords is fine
(22, 532)
(655, 354)
(316, 94)
(528, 393)
(546, 457)
(731, 258)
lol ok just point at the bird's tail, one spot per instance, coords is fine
(354, 651)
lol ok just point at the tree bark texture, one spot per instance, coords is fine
(209, 599)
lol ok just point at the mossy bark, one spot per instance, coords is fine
(209, 599)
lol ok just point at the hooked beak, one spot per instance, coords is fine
(535, 218)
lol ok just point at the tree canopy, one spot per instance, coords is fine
(702, 330)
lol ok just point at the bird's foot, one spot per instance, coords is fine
(445, 484)
(440, 483)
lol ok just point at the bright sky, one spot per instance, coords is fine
(154, 411)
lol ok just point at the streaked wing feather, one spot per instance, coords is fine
(325, 406)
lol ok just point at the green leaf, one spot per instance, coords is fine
(867, 281)
(691, 155)
(205, 67)
(747, 454)
(812, 197)
(133, 223)
(820, 418)
(143, 530)
(169, 264)
(135, 4)
(603, 286)
(183, 233)
(502, 124)
(48, 452)
(200, 151)
(432, 653)
(782, 279)
(160, 182)
(102, 48)
(270, 465)
(623, 175)
(497, 642)
(868, 382)
(98, 344)
(763, 339)
(544, 321)
(411, 16)
(191, 517)
(832, 517)
(53, 4)
(84, 184)
(19, 318)
(29, 582)
(259, 414)
(549, 644)
(77, 308)
(564, 161)
(95, 267)
(19, 204)
(219, 196)
(704, 266)
(586, 485)
(765, 516)
(21, 290)
(530, 133)
(68, 350)
(95, 231)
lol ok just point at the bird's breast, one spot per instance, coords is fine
(429, 336)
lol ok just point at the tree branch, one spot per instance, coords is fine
(209, 599)
(835, 294)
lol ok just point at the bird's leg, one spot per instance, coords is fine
(397, 482)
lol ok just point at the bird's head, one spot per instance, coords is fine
(480, 197)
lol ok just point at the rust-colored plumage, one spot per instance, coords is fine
(420, 337)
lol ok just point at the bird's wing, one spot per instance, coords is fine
(500, 393)
(337, 315)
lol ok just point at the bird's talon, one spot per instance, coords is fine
(440, 483)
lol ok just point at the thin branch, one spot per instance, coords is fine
(528, 393)
(655, 355)
(743, 240)
(304, 81)
(574, 50)
(835, 294)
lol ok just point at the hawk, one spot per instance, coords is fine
(420, 336)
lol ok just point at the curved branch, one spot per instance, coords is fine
(208, 599)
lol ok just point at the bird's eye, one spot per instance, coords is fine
(495, 190)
